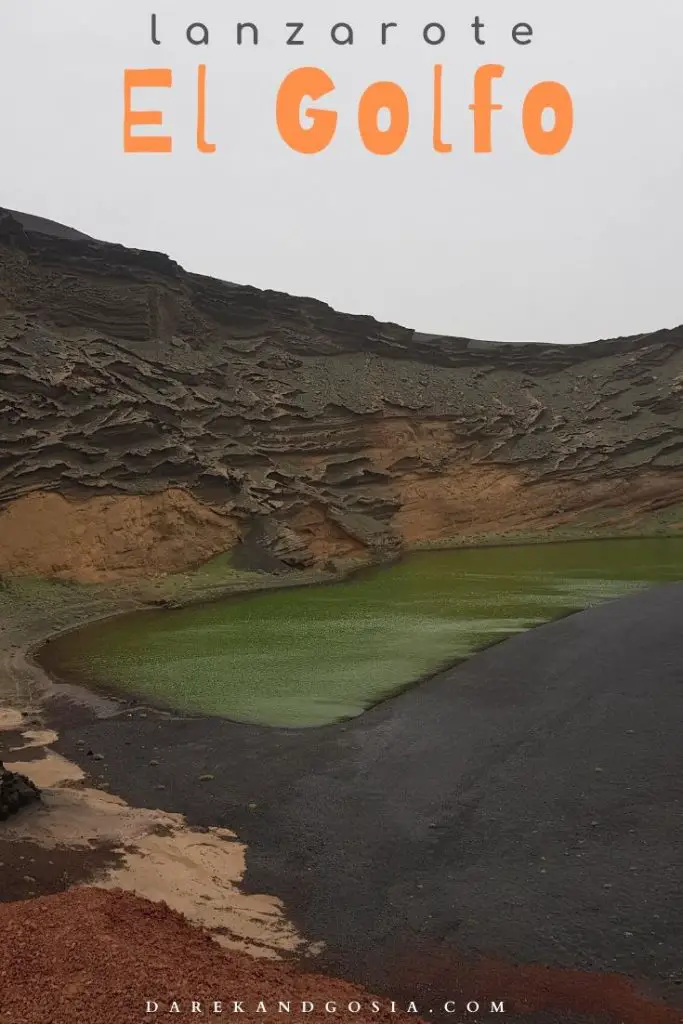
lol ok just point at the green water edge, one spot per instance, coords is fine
(311, 656)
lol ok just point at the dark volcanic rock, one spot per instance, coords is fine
(152, 418)
(523, 806)
(16, 791)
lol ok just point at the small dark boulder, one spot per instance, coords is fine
(16, 791)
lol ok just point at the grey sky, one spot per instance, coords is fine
(509, 245)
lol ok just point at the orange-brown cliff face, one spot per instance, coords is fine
(151, 418)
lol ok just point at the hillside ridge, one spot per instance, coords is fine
(153, 418)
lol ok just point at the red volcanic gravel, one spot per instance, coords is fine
(539, 992)
(91, 956)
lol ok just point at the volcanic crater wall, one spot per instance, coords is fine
(152, 418)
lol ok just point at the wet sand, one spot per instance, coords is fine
(507, 830)
(521, 807)
(82, 832)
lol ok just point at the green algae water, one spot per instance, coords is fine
(314, 655)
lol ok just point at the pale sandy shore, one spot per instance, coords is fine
(508, 827)
(155, 854)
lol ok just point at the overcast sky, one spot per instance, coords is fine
(510, 245)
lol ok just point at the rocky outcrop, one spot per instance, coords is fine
(16, 791)
(151, 418)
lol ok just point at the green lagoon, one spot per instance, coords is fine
(309, 656)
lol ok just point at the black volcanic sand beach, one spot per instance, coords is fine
(523, 807)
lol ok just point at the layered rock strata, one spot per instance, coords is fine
(152, 418)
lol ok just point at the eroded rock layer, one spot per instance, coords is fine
(151, 418)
